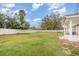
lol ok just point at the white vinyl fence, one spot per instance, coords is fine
(16, 31)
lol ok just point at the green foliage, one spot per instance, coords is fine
(24, 26)
(21, 16)
(51, 22)
(12, 21)
(1, 20)
(47, 24)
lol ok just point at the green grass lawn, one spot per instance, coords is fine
(33, 44)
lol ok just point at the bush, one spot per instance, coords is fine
(24, 26)
(51, 22)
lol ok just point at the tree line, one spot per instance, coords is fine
(15, 22)
(49, 22)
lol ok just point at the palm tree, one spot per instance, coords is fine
(21, 16)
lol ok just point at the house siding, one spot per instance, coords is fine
(77, 30)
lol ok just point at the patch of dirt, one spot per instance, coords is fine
(69, 46)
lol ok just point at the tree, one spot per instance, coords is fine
(46, 24)
(15, 21)
(11, 23)
(51, 22)
(23, 23)
(1, 20)
(21, 16)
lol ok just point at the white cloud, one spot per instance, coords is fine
(16, 11)
(4, 10)
(26, 11)
(57, 8)
(8, 5)
(8, 11)
(55, 5)
(36, 20)
(35, 6)
(28, 20)
(61, 11)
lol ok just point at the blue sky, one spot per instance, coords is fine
(36, 11)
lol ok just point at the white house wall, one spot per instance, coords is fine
(75, 21)
(69, 23)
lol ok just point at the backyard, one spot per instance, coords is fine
(31, 44)
(35, 44)
(35, 29)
